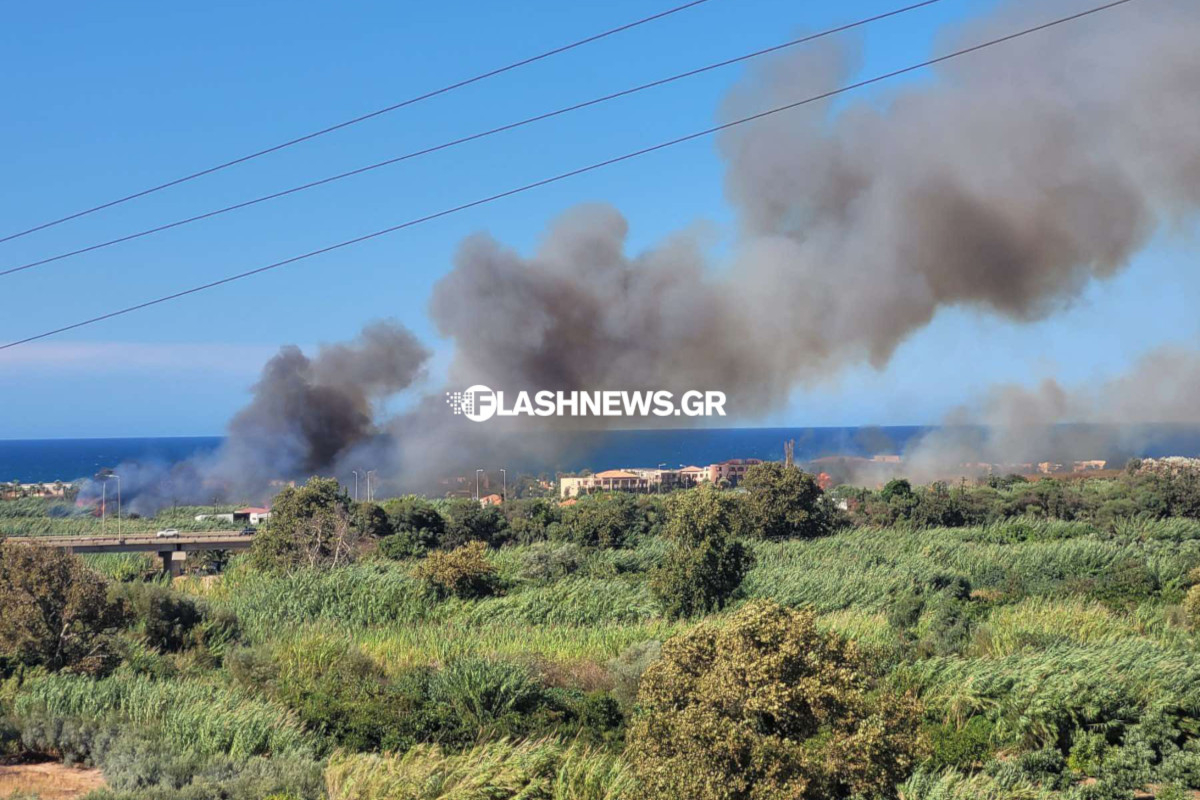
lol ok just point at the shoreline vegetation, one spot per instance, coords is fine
(1009, 639)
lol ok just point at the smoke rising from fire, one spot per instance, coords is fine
(1014, 426)
(1005, 181)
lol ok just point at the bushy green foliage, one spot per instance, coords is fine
(602, 520)
(310, 526)
(417, 527)
(533, 520)
(967, 747)
(785, 502)
(54, 611)
(767, 706)
(467, 521)
(706, 563)
(463, 573)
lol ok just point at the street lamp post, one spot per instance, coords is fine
(477, 483)
(370, 472)
(504, 488)
(355, 484)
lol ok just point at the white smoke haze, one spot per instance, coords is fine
(1006, 181)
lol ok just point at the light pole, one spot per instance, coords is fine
(504, 488)
(477, 484)
(370, 472)
(355, 484)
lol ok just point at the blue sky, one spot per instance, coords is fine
(104, 99)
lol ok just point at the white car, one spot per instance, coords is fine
(169, 533)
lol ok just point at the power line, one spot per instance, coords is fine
(572, 173)
(363, 118)
(465, 139)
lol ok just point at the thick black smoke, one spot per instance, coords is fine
(308, 412)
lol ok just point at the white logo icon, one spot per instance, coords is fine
(477, 403)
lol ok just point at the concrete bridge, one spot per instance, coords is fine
(172, 550)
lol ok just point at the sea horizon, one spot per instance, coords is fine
(68, 459)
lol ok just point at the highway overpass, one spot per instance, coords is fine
(172, 550)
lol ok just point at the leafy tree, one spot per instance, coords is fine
(602, 520)
(784, 502)
(463, 573)
(531, 520)
(371, 520)
(413, 513)
(897, 487)
(54, 610)
(467, 521)
(706, 563)
(310, 526)
(418, 527)
(768, 707)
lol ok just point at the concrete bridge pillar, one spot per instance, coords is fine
(173, 561)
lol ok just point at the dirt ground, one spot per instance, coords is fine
(49, 781)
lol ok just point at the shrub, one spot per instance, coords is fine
(463, 573)
(165, 619)
(483, 696)
(54, 611)
(1191, 606)
(767, 706)
(964, 748)
(628, 667)
(343, 695)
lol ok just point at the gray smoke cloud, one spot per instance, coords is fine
(1004, 181)
(1013, 427)
(306, 413)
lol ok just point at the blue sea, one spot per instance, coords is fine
(68, 459)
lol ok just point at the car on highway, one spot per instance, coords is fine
(247, 531)
(169, 533)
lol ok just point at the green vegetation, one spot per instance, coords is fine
(1009, 640)
(36, 516)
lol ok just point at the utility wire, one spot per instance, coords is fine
(579, 171)
(363, 118)
(465, 139)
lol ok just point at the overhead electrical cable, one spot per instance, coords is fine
(362, 118)
(572, 173)
(465, 139)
